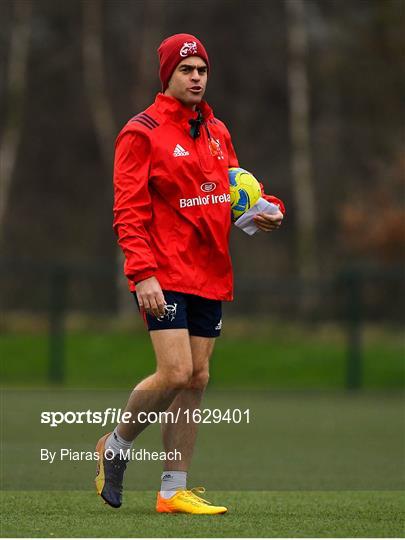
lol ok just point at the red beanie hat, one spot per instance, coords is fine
(173, 50)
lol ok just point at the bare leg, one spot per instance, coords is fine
(182, 435)
(173, 373)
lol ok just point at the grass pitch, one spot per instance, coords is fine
(244, 357)
(251, 514)
(337, 457)
(308, 465)
(293, 442)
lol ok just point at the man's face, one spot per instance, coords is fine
(188, 81)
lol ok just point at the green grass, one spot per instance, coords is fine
(309, 464)
(294, 441)
(251, 514)
(327, 464)
(279, 359)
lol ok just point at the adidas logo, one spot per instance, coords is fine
(179, 151)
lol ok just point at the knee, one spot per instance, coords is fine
(178, 378)
(199, 379)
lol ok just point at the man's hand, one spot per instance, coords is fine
(150, 296)
(268, 222)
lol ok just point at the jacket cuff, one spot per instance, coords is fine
(275, 200)
(140, 276)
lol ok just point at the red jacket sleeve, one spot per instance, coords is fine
(132, 204)
(273, 199)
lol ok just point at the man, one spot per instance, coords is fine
(175, 240)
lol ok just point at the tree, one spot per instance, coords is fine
(298, 89)
(16, 84)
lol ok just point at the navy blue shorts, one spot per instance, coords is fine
(201, 316)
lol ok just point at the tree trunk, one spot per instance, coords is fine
(103, 118)
(95, 80)
(16, 84)
(150, 34)
(303, 189)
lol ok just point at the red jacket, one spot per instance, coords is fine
(172, 207)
